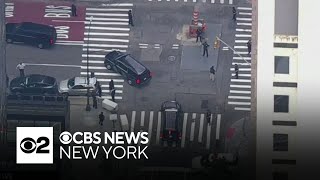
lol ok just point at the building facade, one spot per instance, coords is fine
(285, 89)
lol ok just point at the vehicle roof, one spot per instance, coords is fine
(170, 104)
(170, 121)
(37, 27)
(38, 78)
(138, 67)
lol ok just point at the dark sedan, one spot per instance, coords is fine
(34, 84)
(171, 116)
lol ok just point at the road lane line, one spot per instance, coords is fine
(107, 9)
(69, 44)
(106, 39)
(240, 92)
(244, 24)
(94, 55)
(193, 123)
(133, 119)
(108, 80)
(119, 4)
(108, 91)
(109, 97)
(244, 8)
(184, 129)
(243, 13)
(150, 126)
(240, 47)
(241, 58)
(244, 19)
(241, 69)
(142, 118)
(107, 86)
(105, 34)
(243, 35)
(107, 14)
(158, 128)
(105, 23)
(240, 103)
(201, 128)
(106, 45)
(218, 127)
(53, 65)
(239, 97)
(107, 19)
(101, 74)
(242, 109)
(243, 30)
(209, 132)
(103, 50)
(241, 80)
(107, 28)
(240, 86)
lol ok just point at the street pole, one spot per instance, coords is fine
(88, 107)
(3, 76)
(219, 39)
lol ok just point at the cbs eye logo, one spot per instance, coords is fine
(34, 145)
(29, 145)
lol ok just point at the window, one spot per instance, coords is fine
(280, 175)
(280, 142)
(281, 64)
(122, 67)
(78, 87)
(281, 103)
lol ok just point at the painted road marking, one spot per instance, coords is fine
(242, 75)
(240, 52)
(150, 126)
(108, 80)
(230, 1)
(201, 128)
(133, 119)
(243, 13)
(193, 123)
(101, 74)
(53, 65)
(243, 30)
(106, 19)
(209, 132)
(242, 109)
(240, 92)
(240, 86)
(221, 1)
(244, 8)
(244, 24)
(142, 118)
(218, 126)
(107, 14)
(243, 35)
(240, 47)
(105, 23)
(240, 103)
(241, 80)
(244, 19)
(108, 91)
(106, 34)
(107, 28)
(107, 86)
(239, 97)
(94, 55)
(69, 44)
(241, 69)
(184, 129)
(92, 62)
(103, 50)
(158, 128)
(107, 9)
(106, 39)
(109, 97)
(241, 41)
(241, 58)
(106, 45)
(118, 4)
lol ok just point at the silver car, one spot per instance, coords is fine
(77, 86)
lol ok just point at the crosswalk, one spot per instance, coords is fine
(106, 29)
(195, 128)
(196, 1)
(240, 89)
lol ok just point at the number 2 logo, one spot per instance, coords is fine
(29, 145)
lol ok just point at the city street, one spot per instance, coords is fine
(159, 40)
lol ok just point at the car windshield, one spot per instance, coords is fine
(71, 82)
(136, 65)
(170, 120)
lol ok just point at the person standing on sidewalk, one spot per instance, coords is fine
(236, 70)
(94, 100)
(113, 93)
(212, 73)
(249, 46)
(73, 10)
(111, 85)
(130, 18)
(199, 35)
(234, 12)
(208, 116)
(98, 88)
(20, 67)
(205, 48)
(101, 118)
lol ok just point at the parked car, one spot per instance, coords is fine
(77, 86)
(34, 84)
(42, 36)
(171, 118)
(132, 70)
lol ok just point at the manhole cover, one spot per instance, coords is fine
(171, 58)
(204, 104)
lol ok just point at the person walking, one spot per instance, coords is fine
(236, 70)
(113, 93)
(205, 48)
(92, 75)
(94, 100)
(212, 73)
(208, 116)
(234, 12)
(249, 46)
(199, 35)
(98, 88)
(73, 10)
(101, 118)
(130, 18)
(21, 66)
(111, 85)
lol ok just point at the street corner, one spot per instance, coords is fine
(199, 103)
(57, 14)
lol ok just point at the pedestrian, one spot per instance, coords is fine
(98, 88)
(249, 46)
(234, 12)
(111, 85)
(73, 10)
(205, 48)
(94, 100)
(212, 73)
(208, 116)
(199, 34)
(236, 70)
(130, 18)
(101, 118)
(21, 66)
(113, 93)
(92, 75)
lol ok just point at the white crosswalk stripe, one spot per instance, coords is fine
(240, 88)
(194, 127)
(107, 31)
(194, 1)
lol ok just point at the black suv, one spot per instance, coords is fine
(40, 35)
(34, 84)
(132, 70)
(171, 117)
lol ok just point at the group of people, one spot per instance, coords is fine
(199, 33)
